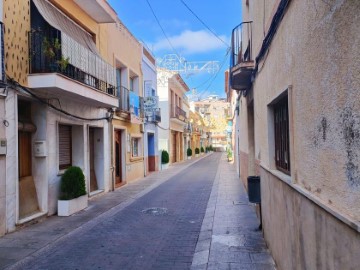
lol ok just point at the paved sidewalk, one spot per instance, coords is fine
(229, 237)
(18, 247)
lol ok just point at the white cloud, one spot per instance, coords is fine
(190, 42)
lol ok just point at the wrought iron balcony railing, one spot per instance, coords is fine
(52, 51)
(241, 44)
(178, 113)
(241, 61)
(130, 102)
(154, 117)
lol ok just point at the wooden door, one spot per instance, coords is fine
(173, 152)
(93, 180)
(118, 159)
(24, 154)
(28, 203)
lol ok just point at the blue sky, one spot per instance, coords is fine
(186, 33)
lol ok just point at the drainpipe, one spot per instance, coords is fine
(111, 131)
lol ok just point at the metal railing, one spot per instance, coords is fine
(188, 128)
(52, 51)
(154, 117)
(241, 44)
(124, 102)
(177, 112)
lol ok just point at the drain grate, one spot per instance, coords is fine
(155, 211)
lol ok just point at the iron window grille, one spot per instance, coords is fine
(281, 126)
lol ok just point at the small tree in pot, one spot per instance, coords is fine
(189, 153)
(202, 150)
(197, 152)
(164, 159)
(73, 192)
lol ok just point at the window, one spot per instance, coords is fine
(65, 146)
(118, 80)
(135, 147)
(131, 84)
(281, 126)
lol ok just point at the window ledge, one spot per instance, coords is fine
(136, 159)
(354, 224)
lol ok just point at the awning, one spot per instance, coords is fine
(60, 21)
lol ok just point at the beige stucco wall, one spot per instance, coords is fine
(314, 54)
(300, 234)
(123, 47)
(316, 51)
(134, 167)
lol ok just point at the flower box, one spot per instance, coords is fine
(68, 207)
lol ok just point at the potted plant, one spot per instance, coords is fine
(51, 49)
(197, 152)
(63, 63)
(164, 159)
(202, 150)
(73, 196)
(229, 155)
(189, 153)
(211, 148)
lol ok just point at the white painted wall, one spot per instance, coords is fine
(45, 169)
(149, 74)
(163, 93)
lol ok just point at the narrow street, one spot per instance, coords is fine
(188, 221)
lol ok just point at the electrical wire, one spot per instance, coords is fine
(212, 78)
(162, 29)
(15, 84)
(162, 127)
(203, 23)
(216, 74)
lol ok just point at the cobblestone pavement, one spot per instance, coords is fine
(156, 231)
(229, 236)
(193, 215)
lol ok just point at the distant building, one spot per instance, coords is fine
(215, 112)
(174, 114)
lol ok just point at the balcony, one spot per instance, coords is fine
(188, 128)
(130, 105)
(178, 113)
(62, 67)
(151, 109)
(154, 116)
(242, 63)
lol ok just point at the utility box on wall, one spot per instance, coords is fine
(40, 148)
(3, 146)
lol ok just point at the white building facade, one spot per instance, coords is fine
(54, 117)
(152, 113)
